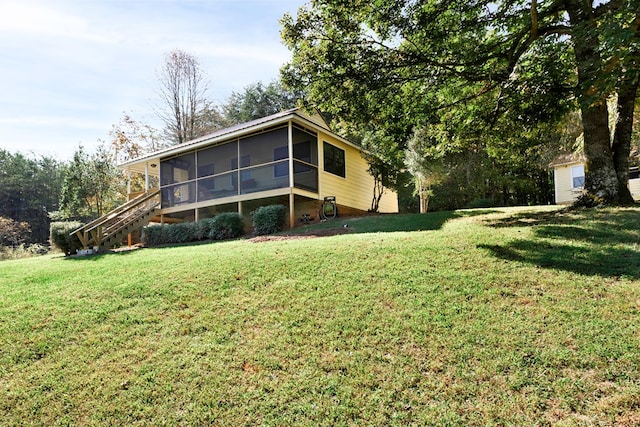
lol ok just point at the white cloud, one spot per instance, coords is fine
(69, 68)
(51, 121)
(40, 20)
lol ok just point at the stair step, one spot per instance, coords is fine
(112, 227)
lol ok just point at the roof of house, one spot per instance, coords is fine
(152, 159)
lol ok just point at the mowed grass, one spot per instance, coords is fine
(501, 317)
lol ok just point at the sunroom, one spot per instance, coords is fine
(289, 158)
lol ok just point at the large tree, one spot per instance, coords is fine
(29, 189)
(92, 185)
(182, 92)
(400, 64)
(258, 100)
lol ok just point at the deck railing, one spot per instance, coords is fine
(122, 220)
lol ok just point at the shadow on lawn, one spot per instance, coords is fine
(367, 224)
(99, 255)
(387, 223)
(591, 242)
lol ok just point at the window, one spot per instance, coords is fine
(245, 161)
(305, 146)
(577, 175)
(178, 169)
(245, 175)
(333, 159)
(280, 169)
(261, 146)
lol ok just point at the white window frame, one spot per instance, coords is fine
(576, 173)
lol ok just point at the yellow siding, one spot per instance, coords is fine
(356, 189)
(565, 193)
(564, 183)
(634, 187)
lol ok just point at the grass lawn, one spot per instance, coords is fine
(494, 317)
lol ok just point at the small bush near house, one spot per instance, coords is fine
(268, 219)
(60, 238)
(181, 232)
(203, 228)
(587, 200)
(228, 225)
(152, 235)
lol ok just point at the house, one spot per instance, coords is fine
(568, 178)
(289, 158)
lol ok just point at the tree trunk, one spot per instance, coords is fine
(622, 137)
(627, 93)
(424, 199)
(601, 179)
(378, 190)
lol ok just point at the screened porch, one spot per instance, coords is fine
(256, 163)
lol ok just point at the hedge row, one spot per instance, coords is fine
(228, 225)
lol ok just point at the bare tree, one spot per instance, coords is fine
(182, 90)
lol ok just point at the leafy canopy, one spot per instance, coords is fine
(468, 64)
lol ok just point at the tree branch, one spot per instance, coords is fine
(605, 8)
(534, 19)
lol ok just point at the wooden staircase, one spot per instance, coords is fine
(108, 230)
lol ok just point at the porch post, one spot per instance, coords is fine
(129, 236)
(146, 177)
(292, 210)
(290, 146)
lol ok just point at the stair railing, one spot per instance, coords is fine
(100, 230)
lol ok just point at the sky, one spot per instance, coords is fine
(70, 69)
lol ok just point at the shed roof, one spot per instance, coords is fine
(567, 159)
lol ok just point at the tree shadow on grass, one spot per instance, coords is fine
(128, 251)
(590, 242)
(387, 223)
(606, 262)
(100, 255)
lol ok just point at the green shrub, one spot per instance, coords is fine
(268, 219)
(22, 251)
(203, 228)
(588, 200)
(13, 233)
(169, 233)
(223, 226)
(152, 235)
(181, 232)
(227, 225)
(60, 238)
